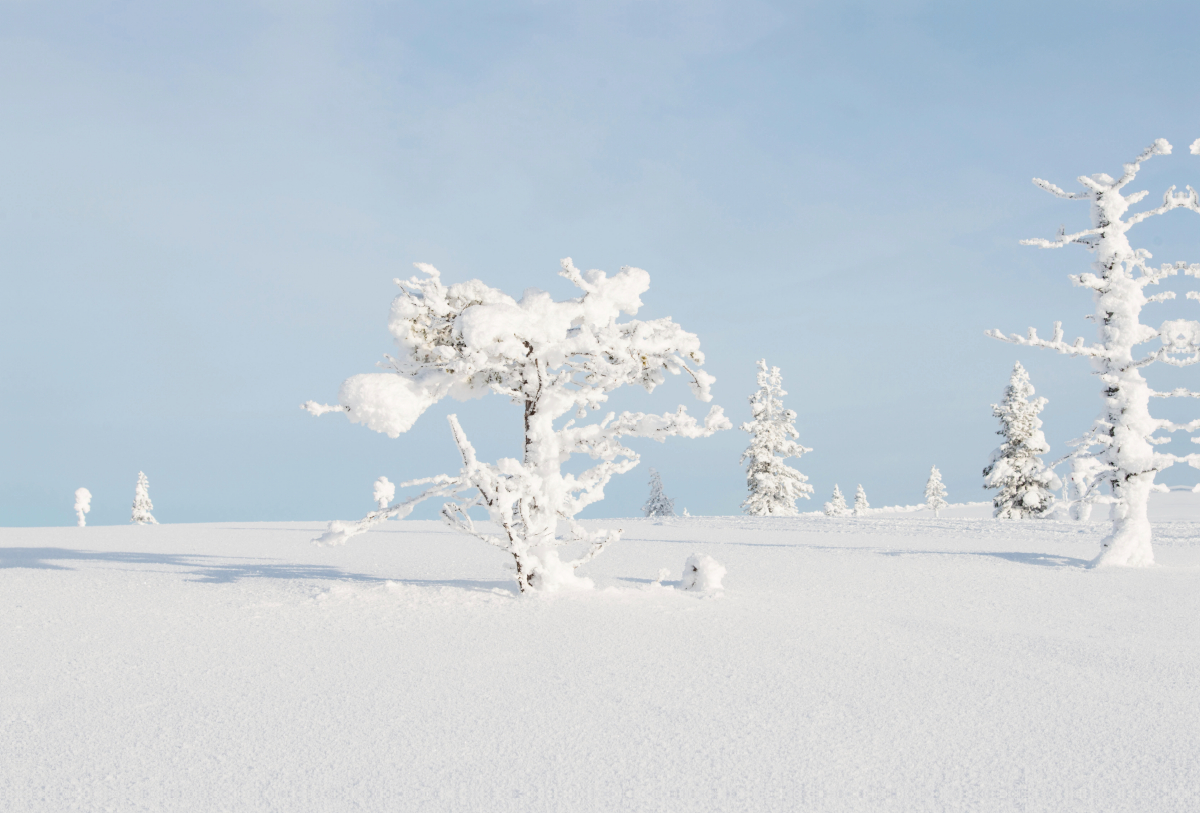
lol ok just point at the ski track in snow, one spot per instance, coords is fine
(898, 663)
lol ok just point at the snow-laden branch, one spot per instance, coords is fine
(339, 532)
(1031, 339)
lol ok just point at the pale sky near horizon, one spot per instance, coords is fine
(202, 207)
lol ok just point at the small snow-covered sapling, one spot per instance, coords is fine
(935, 491)
(658, 504)
(860, 502)
(83, 504)
(141, 503)
(836, 507)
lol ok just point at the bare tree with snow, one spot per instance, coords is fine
(935, 491)
(1122, 438)
(83, 504)
(1016, 469)
(658, 504)
(860, 502)
(141, 503)
(774, 486)
(553, 359)
(836, 507)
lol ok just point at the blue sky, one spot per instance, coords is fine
(202, 207)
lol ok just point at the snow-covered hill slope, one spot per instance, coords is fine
(876, 664)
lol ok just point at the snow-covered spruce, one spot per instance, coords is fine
(141, 503)
(384, 493)
(836, 507)
(774, 486)
(1015, 468)
(554, 359)
(83, 504)
(702, 574)
(935, 491)
(1122, 437)
(860, 502)
(658, 504)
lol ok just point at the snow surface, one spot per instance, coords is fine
(885, 663)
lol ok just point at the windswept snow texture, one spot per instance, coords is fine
(885, 663)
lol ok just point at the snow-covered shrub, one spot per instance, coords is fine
(774, 486)
(1082, 485)
(385, 492)
(1023, 480)
(554, 359)
(658, 504)
(1122, 437)
(836, 507)
(860, 502)
(702, 573)
(935, 491)
(83, 504)
(141, 503)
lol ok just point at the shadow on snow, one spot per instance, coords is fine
(220, 570)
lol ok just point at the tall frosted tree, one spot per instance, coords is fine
(774, 486)
(1016, 469)
(1122, 438)
(554, 359)
(935, 491)
(141, 502)
(658, 504)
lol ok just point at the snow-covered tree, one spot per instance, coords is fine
(385, 492)
(1122, 437)
(83, 504)
(935, 492)
(141, 503)
(553, 359)
(658, 504)
(836, 507)
(1023, 480)
(1082, 485)
(860, 502)
(774, 486)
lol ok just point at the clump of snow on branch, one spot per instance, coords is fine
(83, 504)
(658, 504)
(702, 574)
(385, 492)
(774, 486)
(861, 506)
(1122, 439)
(836, 507)
(556, 360)
(141, 503)
(935, 491)
(1023, 481)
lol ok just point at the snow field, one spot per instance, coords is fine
(873, 664)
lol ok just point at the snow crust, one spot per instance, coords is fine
(860, 664)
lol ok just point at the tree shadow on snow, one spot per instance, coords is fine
(216, 570)
(1039, 559)
(221, 570)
